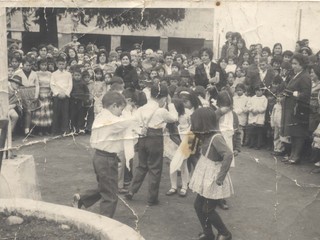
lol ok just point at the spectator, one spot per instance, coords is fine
(61, 86)
(227, 44)
(15, 107)
(296, 107)
(127, 72)
(314, 102)
(30, 91)
(42, 118)
(209, 72)
(168, 59)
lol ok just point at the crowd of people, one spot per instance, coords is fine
(147, 104)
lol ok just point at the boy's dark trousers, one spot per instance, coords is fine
(315, 155)
(77, 114)
(150, 161)
(255, 133)
(106, 168)
(60, 119)
(90, 118)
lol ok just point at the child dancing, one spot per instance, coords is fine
(210, 180)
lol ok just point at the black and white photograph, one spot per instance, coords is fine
(160, 120)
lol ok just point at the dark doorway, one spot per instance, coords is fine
(146, 42)
(30, 40)
(97, 39)
(185, 45)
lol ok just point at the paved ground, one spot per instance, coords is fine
(272, 201)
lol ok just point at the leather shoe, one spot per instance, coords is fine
(223, 237)
(277, 154)
(171, 192)
(122, 191)
(129, 196)
(293, 162)
(202, 236)
(223, 204)
(150, 204)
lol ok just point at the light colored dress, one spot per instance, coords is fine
(43, 117)
(227, 131)
(203, 180)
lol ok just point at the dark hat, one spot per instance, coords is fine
(136, 46)
(116, 79)
(200, 90)
(307, 49)
(34, 49)
(118, 49)
(16, 79)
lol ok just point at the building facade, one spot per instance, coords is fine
(192, 33)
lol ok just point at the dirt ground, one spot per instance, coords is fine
(37, 229)
(272, 201)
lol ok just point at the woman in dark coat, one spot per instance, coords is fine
(127, 72)
(314, 102)
(296, 105)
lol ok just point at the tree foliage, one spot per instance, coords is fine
(134, 18)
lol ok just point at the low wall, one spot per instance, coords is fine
(103, 228)
(18, 178)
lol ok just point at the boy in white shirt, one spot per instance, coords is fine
(257, 106)
(61, 86)
(240, 101)
(154, 117)
(107, 140)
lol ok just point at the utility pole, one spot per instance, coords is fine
(4, 102)
(299, 25)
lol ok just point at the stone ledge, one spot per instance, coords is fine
(103, 228)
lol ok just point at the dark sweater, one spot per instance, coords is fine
(129, 76)
(79, 91)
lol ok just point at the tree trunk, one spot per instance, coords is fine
(48, 26)
(52, 30)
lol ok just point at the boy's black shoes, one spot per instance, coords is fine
(122, 191)
(223, 204)
(150, 204)
(202, 236)
(129, 196)
(223, 237)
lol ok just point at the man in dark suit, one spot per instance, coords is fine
(262, 74)
(209, 73)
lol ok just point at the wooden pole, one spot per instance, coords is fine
(4, 100)
(299, 28)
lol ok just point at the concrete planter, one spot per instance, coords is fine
(102, 227)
